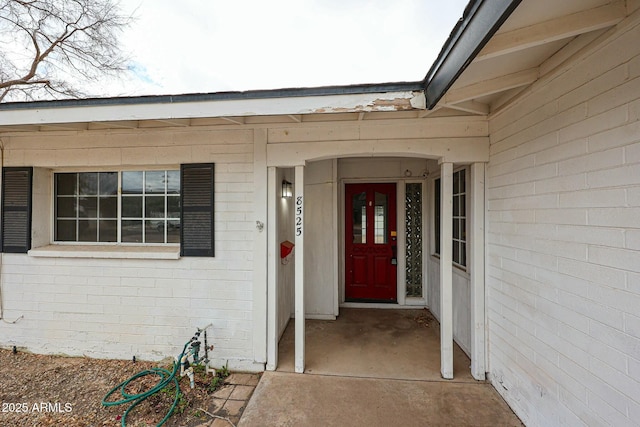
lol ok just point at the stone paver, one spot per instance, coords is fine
(233, 408)
(230, 400)
(218, 403)
(224, 392)
(241, 392)
(243, 379)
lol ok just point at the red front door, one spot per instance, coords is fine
(370, 242)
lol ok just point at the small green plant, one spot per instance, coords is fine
(181, 405)
(224, 371)
(216, 382)
(218, 379)
(169, 390)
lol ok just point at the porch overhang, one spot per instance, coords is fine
(479, 23)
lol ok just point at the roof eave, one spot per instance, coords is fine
(210, 105)
(219, 96)
(479, 23)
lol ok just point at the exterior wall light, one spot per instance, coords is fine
(287, 189)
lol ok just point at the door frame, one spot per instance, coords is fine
(401, 299)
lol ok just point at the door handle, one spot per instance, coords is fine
(394, 255)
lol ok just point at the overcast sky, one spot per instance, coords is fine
(197, 46)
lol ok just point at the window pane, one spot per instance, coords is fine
(456, 228)
(88, 183)
(173, 231)
(65, 230)
(132, 207)
(456, 205)
(463, 229)
(463, 254)
(380, 219)
(456, 183)
(108, 183)
(88, 207)
(154, 207)
(132, 182)
(173, 182)
(173, 206)
(132, 231)
(66, 207)
(154, 231)
(108, 231)
(154, 182)
(108, 207)
(359, 206)
(66, 184)
(87, 230)
(456, 252)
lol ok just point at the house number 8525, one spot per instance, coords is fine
(299, 216)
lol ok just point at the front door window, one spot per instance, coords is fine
(380, 219)
(359, 203)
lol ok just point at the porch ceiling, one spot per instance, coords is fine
(538, 37)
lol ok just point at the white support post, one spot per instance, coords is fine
(446, 271)
(299, 265)
(336, 244)
(476, 262)
(272, 270)
(260, 248)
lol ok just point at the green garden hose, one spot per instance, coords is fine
(166, 377)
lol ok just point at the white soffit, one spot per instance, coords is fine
(179, 112)
(520, 52)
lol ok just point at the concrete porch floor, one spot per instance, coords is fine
(370, 343)
(373, 368)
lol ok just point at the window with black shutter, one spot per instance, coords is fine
(197, 226)
(15, 232)
(140, 207)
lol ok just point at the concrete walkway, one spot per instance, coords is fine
(373, 368)
(286, 399)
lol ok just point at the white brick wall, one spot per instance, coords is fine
(117, 308)
(461, 289)
(563, 242)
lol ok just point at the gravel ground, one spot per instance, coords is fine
(44, 390)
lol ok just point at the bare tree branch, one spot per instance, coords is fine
(50, 48)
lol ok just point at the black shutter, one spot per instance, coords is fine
(15, 230)
(196, 216)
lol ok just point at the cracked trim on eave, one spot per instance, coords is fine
(357, 102)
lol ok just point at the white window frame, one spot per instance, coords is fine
(119, 207)
(464, 240)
